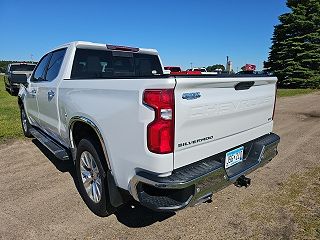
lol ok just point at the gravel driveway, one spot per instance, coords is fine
(39, 199)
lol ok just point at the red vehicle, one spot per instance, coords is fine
(178, 71)
(249, 67)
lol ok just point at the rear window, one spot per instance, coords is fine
(22, 67)
(89, 63)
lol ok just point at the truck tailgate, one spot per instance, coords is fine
(213, 115)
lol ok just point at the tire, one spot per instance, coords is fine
(25, 123)
(10, 90)
(91, 177)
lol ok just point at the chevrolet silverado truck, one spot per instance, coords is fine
(135, 133)
(16, 74)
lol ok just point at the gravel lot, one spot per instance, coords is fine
(39, 199)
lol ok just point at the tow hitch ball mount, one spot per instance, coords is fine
(243, 181)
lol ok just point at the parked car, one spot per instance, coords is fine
(173, 69)
(202, 71)
(178, 71)
(16, 74)
(133, 132)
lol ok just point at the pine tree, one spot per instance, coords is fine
(295, 50)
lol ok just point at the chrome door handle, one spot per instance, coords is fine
(33, 92)
(50, 94)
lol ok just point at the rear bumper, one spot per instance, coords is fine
(194, 183)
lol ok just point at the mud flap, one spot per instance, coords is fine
(115, 196)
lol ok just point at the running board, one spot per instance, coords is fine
(55, 148)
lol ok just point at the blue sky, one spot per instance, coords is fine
(201, 32)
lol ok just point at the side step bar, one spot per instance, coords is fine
(55, 148)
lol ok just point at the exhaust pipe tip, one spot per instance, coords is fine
(243, 181)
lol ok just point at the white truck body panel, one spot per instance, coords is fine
(115, 106)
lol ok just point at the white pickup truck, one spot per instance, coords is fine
(134, 132)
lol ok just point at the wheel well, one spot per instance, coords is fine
(82, 130)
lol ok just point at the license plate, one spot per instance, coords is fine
(233, 157)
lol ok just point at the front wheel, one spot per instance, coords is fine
(91, 177)
(25, 123)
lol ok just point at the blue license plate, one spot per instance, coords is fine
(233, 157)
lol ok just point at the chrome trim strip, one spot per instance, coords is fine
(75, 119)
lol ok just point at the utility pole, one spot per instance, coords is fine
(31, 56)
(191, 65)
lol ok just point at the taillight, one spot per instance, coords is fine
(160, 132)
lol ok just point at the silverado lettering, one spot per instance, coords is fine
(195, 141)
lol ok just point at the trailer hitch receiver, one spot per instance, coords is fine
(243, 181)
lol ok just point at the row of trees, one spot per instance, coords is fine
(3, 66)
(215, 67)
(295, 52)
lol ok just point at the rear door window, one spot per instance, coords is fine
(55, 64)
(39, 73)
(89, 63)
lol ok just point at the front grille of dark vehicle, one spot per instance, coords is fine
(18, 78)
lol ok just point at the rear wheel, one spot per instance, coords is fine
(25, 123)
(11, 90)
(91, 177)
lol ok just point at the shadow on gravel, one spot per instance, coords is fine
(131, 214)
(134, 215)
(314, 115)
(62, 166)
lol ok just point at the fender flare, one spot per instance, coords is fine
(75, 119)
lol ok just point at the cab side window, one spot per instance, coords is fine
(39, 73)
(55, 64)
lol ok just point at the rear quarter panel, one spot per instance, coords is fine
(115, 106)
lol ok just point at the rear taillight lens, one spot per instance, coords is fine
(160, 132)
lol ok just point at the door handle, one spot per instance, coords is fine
(244, 85)
(33, 92)
(50, 94)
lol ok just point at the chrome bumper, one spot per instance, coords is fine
(194, 183)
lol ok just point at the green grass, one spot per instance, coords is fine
(294, 92)
(295, 204)
(10, 127)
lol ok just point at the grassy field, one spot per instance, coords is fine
(10, 126)
(298, 200)
(294, 92)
